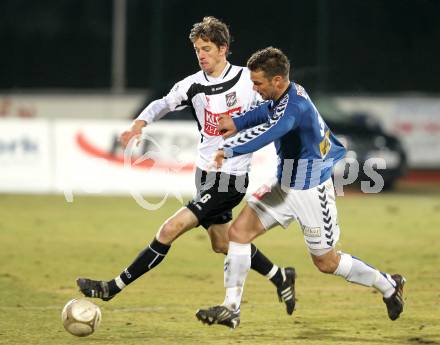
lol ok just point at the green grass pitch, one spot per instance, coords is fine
(46, 243)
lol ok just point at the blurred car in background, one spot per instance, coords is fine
(365, 138)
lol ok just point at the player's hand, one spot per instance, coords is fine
(219, 157)
(218, 160)
(226, 126)
(134, 132)
(126, 136)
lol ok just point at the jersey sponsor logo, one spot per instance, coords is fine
(231, 99)
(325, 144)
(211, 120)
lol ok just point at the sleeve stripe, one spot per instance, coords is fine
(252, 133)
(250, 108)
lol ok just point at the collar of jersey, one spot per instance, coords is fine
(222, 76)
(275, 103)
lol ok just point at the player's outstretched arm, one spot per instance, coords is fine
(257, 137)
(134, 132)
(252, 117)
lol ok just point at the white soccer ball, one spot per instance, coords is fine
(81, 317)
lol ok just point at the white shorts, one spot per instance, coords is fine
(315, 210)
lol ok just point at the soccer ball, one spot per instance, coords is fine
(81, 317)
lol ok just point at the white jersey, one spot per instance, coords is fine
(231, 93)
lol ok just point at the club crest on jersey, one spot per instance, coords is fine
(231, 99)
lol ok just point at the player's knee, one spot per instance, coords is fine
(241, 234)
(234, 234)
(220, 247)
(170, 230)
(326, 266)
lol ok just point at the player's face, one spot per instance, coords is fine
(211, 58)
(265, 87)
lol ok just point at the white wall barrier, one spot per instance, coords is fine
(89, 160)
(83, 157)
(73, 105)
(414, 119)
(71, 156)
(26, 163)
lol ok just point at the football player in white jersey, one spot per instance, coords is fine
(219, 88)
(303, 191)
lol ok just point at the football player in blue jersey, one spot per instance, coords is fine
(303, 190)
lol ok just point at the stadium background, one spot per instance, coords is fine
(73, 74)
(342, 46)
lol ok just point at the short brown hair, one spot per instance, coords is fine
(211, 29)
(272, 61)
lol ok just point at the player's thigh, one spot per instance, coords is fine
(180, 222)
(316, 212)
(246, 227)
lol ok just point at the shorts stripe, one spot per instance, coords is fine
(326, 217)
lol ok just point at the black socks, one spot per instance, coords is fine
(261, 264)
(147, 259)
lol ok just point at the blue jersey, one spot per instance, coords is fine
(307, 150)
